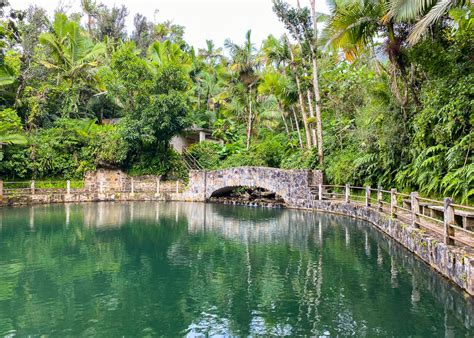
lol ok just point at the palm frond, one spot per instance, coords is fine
(435, 13)
(6, 76)
(11, 139)
(407, 10)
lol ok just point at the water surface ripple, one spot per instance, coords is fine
(174, 269)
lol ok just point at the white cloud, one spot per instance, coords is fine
(203, 19)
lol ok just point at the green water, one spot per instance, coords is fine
(174, 269)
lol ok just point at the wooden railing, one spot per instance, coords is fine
(453, 222)
(33, 187)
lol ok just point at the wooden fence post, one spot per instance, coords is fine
(33, 187)
(177, 186)
(320, 192)
(448, 220)
(68, 187)
(348, 193)
(1, 190)
(393, 203)
(132, 186)
(367, 196)
(415, 210)
(379, 198)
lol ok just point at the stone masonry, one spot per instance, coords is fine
(291, 185)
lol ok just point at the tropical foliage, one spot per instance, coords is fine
(374, 92)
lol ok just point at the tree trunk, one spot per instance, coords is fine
(303, 113)
(89, 25)
(249, 123)
(395, 59)
(300, 100)
(250, 118)
(280, 107)
(291, 125)
(317, 96)
(311, 114)
(199, 98)
(297, 127)
(300, 44)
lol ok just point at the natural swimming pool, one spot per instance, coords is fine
(165, 268)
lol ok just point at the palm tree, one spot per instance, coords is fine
(317, 94)
(280, 54)
(234, 100)
(210, 54)
(275, 85)
(91, 9)
(244, 65)
(296, 71)
(424, 13)
(275, 52)
(355, 25)
(71, 54)
(169, 53)
(277, 80)
(208, 89)
(302, 26)
(10, 130)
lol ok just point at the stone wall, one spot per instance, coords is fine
(315, 177)
(196, 189)
(141, 183)
(105, 180)
(291, 185)
(112, 181)
(86, 196)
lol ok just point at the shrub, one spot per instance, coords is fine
(300, 159)
(68, 149)
(272, 149)
(242, 159)
(165, 162)
(207, 154)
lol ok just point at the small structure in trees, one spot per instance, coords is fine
(191, 136)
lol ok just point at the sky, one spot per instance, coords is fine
(203, 19)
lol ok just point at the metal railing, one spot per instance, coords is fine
(453, 222)
(190, 161)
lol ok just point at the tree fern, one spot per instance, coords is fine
(460, 183)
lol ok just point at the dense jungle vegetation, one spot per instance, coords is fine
(375, 92)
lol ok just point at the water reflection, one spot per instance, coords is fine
(147, 268)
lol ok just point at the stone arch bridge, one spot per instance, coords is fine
(293, 186)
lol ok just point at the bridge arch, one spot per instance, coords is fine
(291, 185)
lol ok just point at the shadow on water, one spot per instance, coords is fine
(147, 268)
